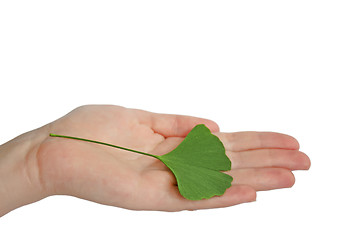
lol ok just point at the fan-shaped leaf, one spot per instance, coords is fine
(197, 163)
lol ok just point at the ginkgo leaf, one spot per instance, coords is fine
(197, 163)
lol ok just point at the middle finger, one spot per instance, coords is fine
(290, 159)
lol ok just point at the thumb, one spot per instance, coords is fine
(171, 125)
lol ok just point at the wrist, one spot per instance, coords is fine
(20, 181)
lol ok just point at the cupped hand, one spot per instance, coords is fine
(260, 160)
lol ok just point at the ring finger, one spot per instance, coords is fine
(262, 179)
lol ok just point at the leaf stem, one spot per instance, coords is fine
(103, 143)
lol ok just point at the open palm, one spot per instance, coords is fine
(260, 161)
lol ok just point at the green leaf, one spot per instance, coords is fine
(197, 163)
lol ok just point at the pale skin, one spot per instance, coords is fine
(34, 166)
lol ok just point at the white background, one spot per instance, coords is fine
(284, 66)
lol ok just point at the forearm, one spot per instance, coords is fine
(20, 182)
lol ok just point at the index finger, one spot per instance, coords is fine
(241, 141)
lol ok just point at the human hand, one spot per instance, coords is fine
(260, 161)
